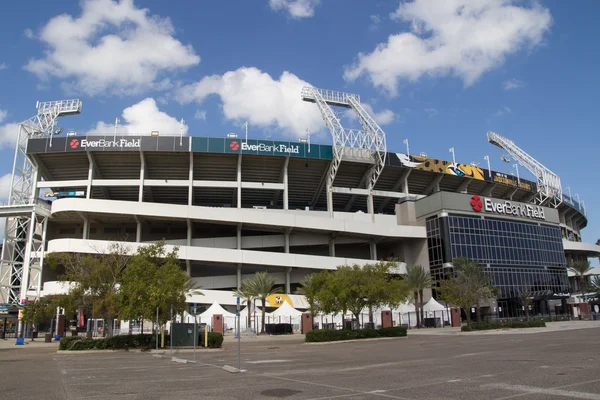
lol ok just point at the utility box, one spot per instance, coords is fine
(386, 319)
(183, 335)
(217, 323)
(455, 316)
(307, 322)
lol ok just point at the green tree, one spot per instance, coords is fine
(381, 288)
(525, 299)
(580, 269)
(245, 293)
(309, 288)
(262, 286)
(95, 280)
(417, 280)
(35, 312)
(467, 285)
(154, 280)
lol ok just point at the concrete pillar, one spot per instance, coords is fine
(188, 264)
(373, 250)
(239, 236)
(370, 208)
(86, 228)
(88, 192)
(138, 232)
(405, 183)
(239, 181)
(329, 189)
(191, 181)
(142, 177)
(286, 239)
(288, 279)
(188, 268)
(239, 276)
(332, 247)
(285, 183)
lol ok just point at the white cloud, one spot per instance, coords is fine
(513, 84)
(200, 114)
(503, 111)
(4, 187)
(463, 38)
(383, 117)
(28, 33)
(3, 115)
(8, 135)
(375, 21)
(3, 66)
(141, 119)
(111, 47)
(295, 8)
(431, 112)
(250, 94)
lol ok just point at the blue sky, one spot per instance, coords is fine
(441, 74)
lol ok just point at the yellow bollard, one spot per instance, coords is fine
(206, 336)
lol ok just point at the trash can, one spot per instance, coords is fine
(48, 338)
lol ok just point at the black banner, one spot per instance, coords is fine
(108, 143)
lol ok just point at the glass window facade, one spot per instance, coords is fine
(521, 256)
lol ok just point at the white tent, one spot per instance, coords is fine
(216, 308)
(286, 310)
(433, 305)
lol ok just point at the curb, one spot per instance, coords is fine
(354, 340)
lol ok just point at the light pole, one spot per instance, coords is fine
(517, 168)
(487, 158)
(407, 149)
(453, 156)
(181, 131)
(117, 120)
(570, 195)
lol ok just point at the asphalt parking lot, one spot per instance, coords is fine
(552, 365)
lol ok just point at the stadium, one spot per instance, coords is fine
(237, 205)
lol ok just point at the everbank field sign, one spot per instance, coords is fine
(274, 148)
(103, 143)
(507, 208)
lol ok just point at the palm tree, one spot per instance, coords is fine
(595, 281)
(580, 269)
(262, 286)
(308, 287)
(417, 280)
(245, 293)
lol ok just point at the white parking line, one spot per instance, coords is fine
(538, 390)
(267, 361)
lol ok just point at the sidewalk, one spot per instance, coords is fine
(10, 343)
(550, 327)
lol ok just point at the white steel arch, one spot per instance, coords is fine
(26, 217)
(366, 146)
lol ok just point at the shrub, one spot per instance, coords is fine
(215, 340)
(83, 344)
(65, 342)
(328, 335)
(482, 326)
(396, 331)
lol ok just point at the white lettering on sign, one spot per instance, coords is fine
(103, 143)
(516, 210)
(275, 148)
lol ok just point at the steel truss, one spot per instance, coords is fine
(366, 146)
(25, 230)
(549, 188)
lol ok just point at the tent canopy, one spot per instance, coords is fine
(216, 308)
(286, 310)
(433, 305)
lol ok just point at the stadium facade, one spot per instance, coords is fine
(235, 206)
